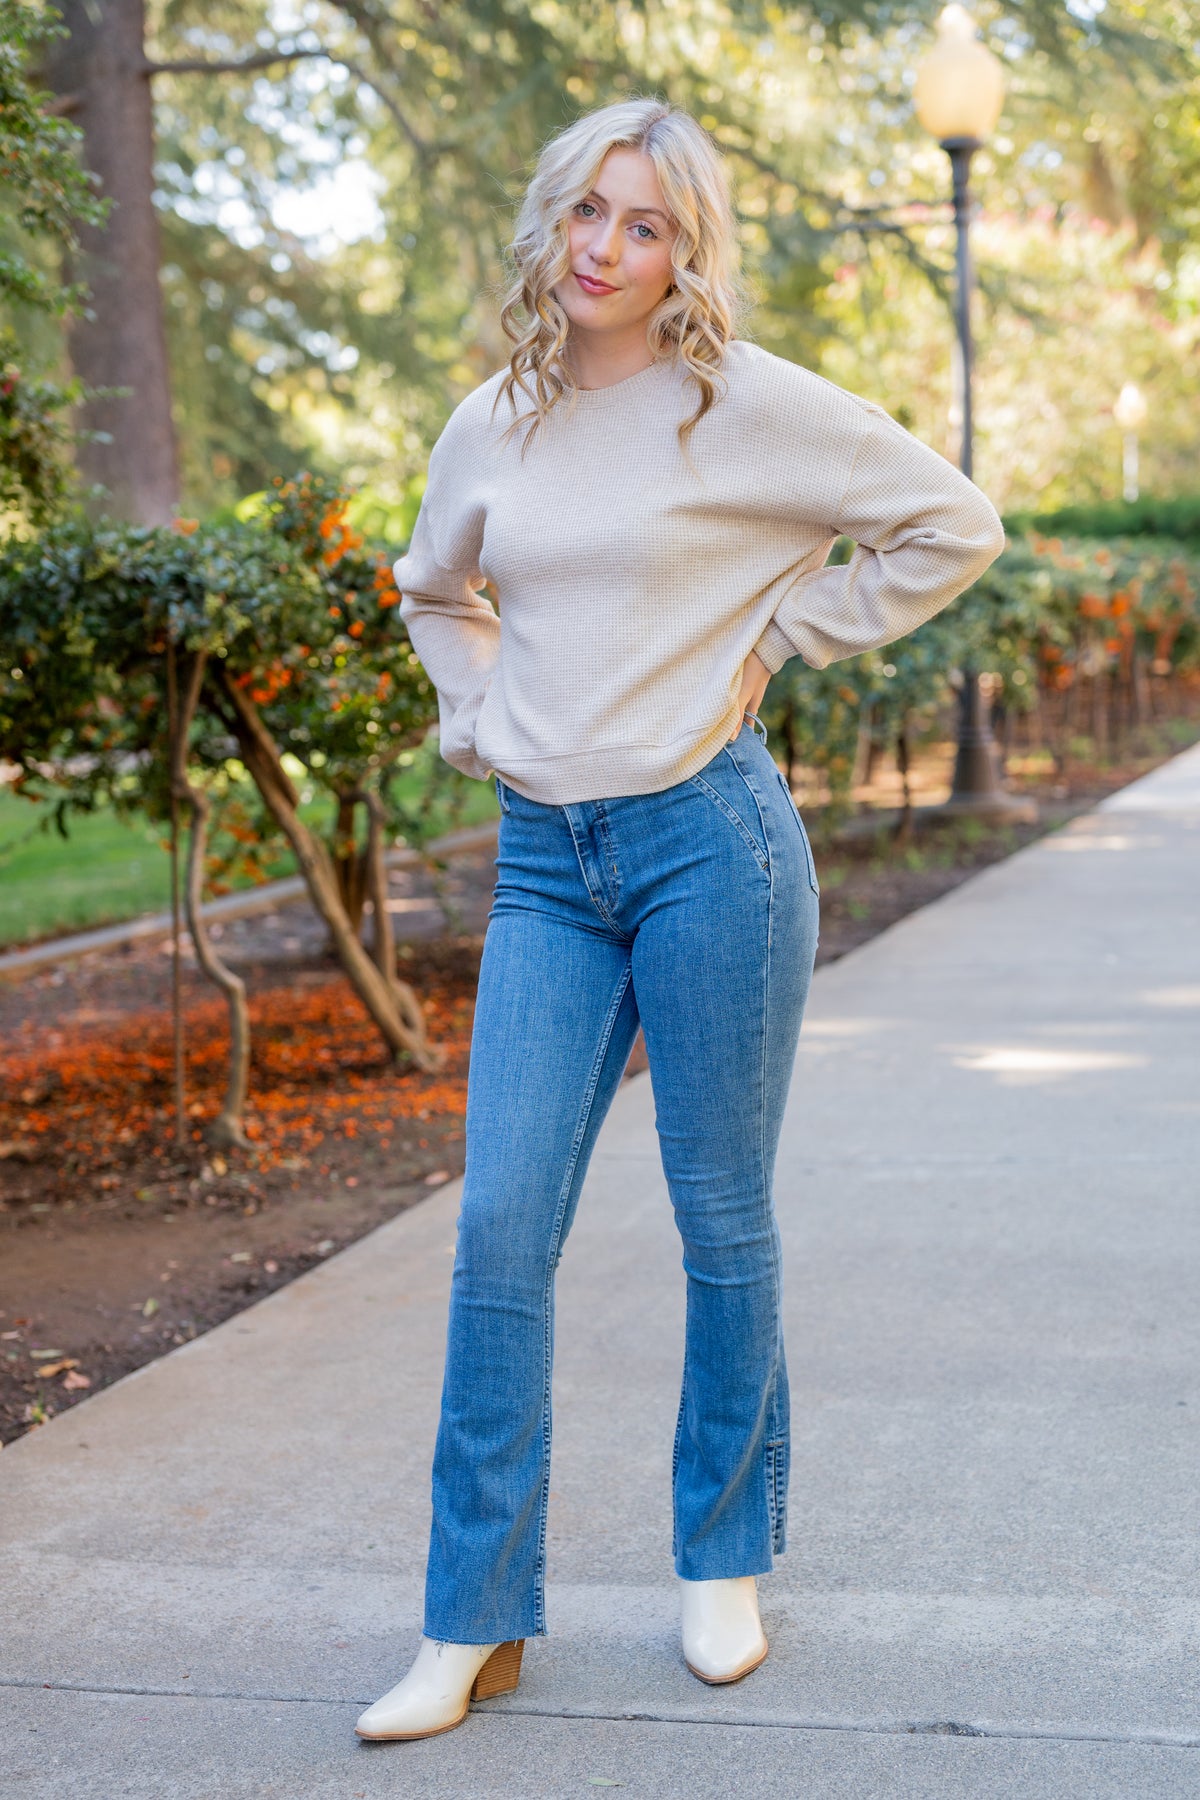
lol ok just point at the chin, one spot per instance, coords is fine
(571, 306)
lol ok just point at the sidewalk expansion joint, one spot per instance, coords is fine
(1173, 1740)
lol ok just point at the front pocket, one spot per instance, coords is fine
(795, 811)
(743, 831)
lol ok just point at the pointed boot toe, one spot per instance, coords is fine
(723, 1638)
(437, 1692)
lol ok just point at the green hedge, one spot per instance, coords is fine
(1178, 518)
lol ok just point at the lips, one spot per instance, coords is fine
(593, 287)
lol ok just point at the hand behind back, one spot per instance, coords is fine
(755, 676)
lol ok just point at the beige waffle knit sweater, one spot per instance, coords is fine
(632, 587)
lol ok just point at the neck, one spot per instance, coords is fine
(599, 360)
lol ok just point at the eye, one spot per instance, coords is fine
(582, 203)
(651, 236)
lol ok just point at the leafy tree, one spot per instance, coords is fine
(44, 196)
(269, 647)
(35, 439)
(1071, 311)
(281, 345)
(45, 192)
(443, 92)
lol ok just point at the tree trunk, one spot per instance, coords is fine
(1099, 713)
(384, 943)
(261, 757)
(864, 746)
(349, 862)
(1073, 699)
(229, 1125)
(1139, 695)
(177, 1056)
(903, 764)
(789, 742)
(98, 72)
(383, 940)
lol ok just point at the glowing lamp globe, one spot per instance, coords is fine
(960, 84)
(1130, 410)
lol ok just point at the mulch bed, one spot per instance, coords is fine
(116, 1244)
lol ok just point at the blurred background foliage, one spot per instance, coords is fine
(333, 187)
(332, 226)
(1090, 644)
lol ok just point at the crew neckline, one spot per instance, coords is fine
(619, 391)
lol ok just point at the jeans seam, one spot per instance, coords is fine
(551, 1265)
(731, 814)
(776, 1502)
(613, 868)
(753, 795)
(675, 1538)
(769, 1473)
(773, 1497)
(813, 882)
(595, 899)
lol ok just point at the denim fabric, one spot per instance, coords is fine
(692, 911)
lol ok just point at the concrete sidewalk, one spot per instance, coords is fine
(990, 1197)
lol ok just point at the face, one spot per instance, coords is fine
(620, 238)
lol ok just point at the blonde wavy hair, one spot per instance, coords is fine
(702, 308)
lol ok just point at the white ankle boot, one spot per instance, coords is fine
(437, 1691)
(723, 1638)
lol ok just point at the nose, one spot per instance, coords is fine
(604, 246)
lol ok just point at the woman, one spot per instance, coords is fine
(653, 499)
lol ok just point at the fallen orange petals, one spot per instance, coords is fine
(101, 1093)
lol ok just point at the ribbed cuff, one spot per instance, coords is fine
(773, 648)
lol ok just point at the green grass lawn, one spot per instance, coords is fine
(107, 869)
(111, 869)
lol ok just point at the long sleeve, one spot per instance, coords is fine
(923, 532)
(631, 581)
(454, 630)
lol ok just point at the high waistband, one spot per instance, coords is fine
(504, 790)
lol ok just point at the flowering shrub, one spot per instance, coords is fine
(347, 693)
(1083, 634)
(85, 612)
(292, 603)
(281, 638)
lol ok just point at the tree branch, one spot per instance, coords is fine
(378, 993)
(229, 1125)
(266, 59)
(199, 65)
(367, 22)
(250, 729)
(419, 144)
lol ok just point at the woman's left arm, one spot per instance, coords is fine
(922, 533)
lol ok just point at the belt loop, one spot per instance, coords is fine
(755, 720)
(501, 794)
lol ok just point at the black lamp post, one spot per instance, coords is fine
(959, 94)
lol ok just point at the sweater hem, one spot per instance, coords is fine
(580, 775)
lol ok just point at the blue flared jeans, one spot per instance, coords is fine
(692, 912)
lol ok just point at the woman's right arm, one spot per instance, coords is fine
(454, 630)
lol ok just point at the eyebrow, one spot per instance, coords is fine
(593, 193)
